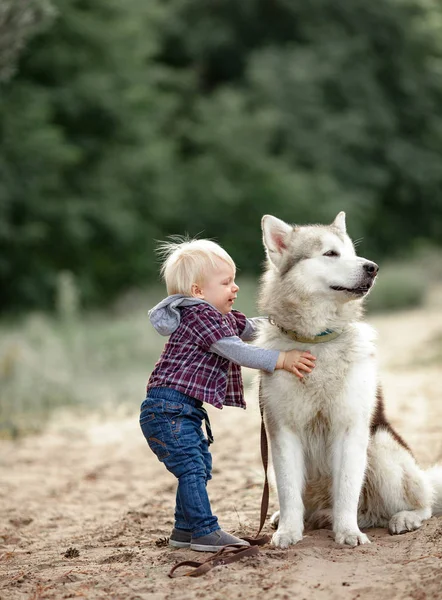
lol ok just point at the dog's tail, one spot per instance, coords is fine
(435, 477)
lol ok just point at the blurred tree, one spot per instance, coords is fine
(82, 155)
(130, 121)
(335, 102)
(19, 19)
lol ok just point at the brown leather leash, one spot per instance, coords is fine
(234, 552)
(227, 554)
(265, 491)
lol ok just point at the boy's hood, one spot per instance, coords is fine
(166, 315)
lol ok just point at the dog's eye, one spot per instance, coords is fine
(331, 253)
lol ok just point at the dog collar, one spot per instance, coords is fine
(324, 336)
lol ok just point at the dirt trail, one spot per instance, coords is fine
(84, 507)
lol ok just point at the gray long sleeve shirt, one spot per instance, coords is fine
(234, 349)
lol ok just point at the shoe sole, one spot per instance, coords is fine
(176, 544)
(204, 548)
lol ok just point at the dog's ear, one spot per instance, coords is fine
(339, 222)
(276, 236)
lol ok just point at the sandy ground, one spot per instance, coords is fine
(85, 507)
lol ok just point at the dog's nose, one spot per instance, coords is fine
(371, 268)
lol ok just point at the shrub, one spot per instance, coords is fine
(399, 286)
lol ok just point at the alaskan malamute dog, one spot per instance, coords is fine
(336, 457)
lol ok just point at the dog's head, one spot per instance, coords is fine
(316, 260)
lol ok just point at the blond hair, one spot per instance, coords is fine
(188, 262)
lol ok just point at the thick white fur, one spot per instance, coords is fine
(319, 428)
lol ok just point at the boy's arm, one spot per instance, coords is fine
(251, 328)
(242, 354)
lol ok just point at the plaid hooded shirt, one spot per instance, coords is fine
(187, 365)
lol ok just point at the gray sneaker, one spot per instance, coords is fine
(180, 538)
(215, 541)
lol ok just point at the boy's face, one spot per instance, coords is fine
(219, 287)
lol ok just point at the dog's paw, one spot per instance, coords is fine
(284, 539)
(274, 520)
(351, 538)
(404, 521)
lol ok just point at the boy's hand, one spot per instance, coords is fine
(296, 361)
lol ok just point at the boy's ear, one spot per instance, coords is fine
(196, 291)
(276, 235)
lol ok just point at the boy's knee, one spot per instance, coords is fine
(194, 474)
(189, 467)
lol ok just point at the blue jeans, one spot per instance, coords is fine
(172, 425)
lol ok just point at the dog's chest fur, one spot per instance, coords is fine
(323, 404)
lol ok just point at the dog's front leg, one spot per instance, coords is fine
(349, 462)
(288, 462)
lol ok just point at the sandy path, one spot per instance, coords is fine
(93, 486)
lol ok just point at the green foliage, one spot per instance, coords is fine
(92, 361)
(78, 126)
(401, 286)
(407, 283)
(129, 121)
(19, 20)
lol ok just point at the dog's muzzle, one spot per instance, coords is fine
(370, 271)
